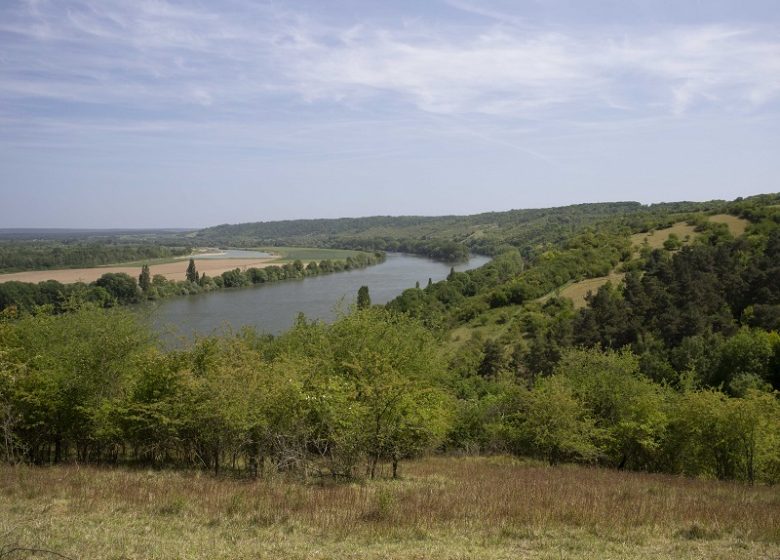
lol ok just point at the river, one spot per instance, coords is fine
(272, 308)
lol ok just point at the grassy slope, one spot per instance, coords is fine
(444, 508)
(517, 227)
(490, 324)
(577, 291)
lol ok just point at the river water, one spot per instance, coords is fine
(272, 308)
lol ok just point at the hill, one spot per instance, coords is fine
(450, 237)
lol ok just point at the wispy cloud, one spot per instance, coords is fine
(152, 55)
(494, 70)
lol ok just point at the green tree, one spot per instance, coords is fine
(121, 286)
(628, 408)
(391, 363)
(556, 425)
(145, 279)
(363, 298)
(192, 272)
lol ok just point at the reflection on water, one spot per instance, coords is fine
(272, 308)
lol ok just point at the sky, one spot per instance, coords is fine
(154, 113)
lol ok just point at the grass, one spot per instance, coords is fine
(443, 508)
(289, 254)
(655, 239)
(577, 291)
(492, 324)
(737, 226)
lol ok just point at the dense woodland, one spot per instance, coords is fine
(21, 255)
(674, 369)
(450, 238)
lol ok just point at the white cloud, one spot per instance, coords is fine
(496, 71)
(157, 55)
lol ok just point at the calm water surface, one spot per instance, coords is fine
(272, 308)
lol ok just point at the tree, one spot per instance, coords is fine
(492, 359)
(145, 279)
(121, 286)
(363, 299)
(556, 424)
(192, 272)
(627, 407)
(389, 361)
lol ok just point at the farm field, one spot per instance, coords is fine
(174, 268)
(289, 254)
(465, 507)
(171, 270)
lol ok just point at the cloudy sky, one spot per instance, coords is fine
(178, 114)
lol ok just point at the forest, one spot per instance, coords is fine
(22, 255)
(675, 369)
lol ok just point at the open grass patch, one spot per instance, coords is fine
(289, 254)
(737, 226)
(443, 508)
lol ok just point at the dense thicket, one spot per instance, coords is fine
(335, 400)
(90, 385)
(44, 255)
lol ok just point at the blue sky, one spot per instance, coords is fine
(184, 114)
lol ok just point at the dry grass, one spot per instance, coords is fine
(655, 239)
(444, 508)
(737, 226)
(579, 290)
(171, 270)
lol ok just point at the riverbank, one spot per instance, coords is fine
(273, 307)
(119, 287)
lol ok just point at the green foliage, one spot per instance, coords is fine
(628, 408)
(192, 272)
(673, 369)
(363, 298)
(556, 424)
(122, 287)
(47, 254)
(145, 279)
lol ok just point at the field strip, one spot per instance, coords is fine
(172, 270)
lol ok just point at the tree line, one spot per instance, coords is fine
(21, 255)
(337, 400)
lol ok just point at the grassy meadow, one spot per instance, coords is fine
(290, 254)
(441, 508)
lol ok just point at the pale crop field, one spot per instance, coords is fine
(171, 270)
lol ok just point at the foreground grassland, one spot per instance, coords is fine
(442, 508)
